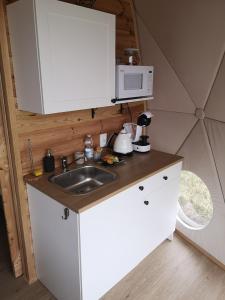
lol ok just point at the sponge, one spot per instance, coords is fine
(38, 172)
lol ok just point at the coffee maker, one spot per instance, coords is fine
(139, 138)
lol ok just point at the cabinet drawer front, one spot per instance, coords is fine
(158, 180)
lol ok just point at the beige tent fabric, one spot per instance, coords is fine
(191, 36)
(185, 41)
(211, 238)
(169, 86)
(216, 133)
(199, 159)
(215, 107)
(165, 125)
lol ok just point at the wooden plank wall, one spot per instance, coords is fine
(64, 133)
(7, 197)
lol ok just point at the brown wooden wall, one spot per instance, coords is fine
(7, 194)
(64, 132)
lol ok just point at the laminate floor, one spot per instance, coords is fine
(174, 271)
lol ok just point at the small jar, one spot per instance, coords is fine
(79, 158)
(132, 55)
(97, 154)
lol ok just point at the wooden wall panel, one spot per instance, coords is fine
(64, 140)
(12, 178)
(8, 201)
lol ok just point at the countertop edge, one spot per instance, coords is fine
(34, 182)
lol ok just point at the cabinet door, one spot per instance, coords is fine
(159, 218)
(118, 233)
(77, 56)
(55, 242)
(63, 56)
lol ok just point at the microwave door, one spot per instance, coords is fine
(132, 85)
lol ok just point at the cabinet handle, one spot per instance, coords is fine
(141, 188)
(66, 214)
(146, 202)
(165, 177)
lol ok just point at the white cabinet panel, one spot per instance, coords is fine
(118, 233)
(75, 55)
(24, 45)
(55, 244)
(160, 224)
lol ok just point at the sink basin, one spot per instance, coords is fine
(83, 180)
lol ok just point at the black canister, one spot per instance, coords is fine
(49, 162)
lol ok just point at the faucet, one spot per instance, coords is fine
(64, 163)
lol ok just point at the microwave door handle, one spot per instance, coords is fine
(115, 100)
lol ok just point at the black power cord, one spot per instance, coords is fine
(129, 111)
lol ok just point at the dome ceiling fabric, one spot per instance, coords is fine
(185, 42)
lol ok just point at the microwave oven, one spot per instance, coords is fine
(133, 83)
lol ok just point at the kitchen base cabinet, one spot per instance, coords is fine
(117, 234)
(56, 246)
(85, 255)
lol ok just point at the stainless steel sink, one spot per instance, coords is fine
(83, 180)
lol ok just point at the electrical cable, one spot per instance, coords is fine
(101, 126)
(129, 111)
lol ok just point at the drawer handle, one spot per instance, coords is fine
(165, 177)
(141, 188)
(146, 202)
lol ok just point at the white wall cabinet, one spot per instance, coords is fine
(106, 241)
(63, 56)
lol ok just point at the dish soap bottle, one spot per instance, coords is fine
(88, 147)
(49, 162)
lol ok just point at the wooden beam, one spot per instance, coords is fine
(6, 185)
(10, 110)
(11, 223)
(133, 11)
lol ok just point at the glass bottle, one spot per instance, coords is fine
(88, 147)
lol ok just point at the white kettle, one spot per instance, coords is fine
(123, 143)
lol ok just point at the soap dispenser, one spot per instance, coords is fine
(49, 162)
